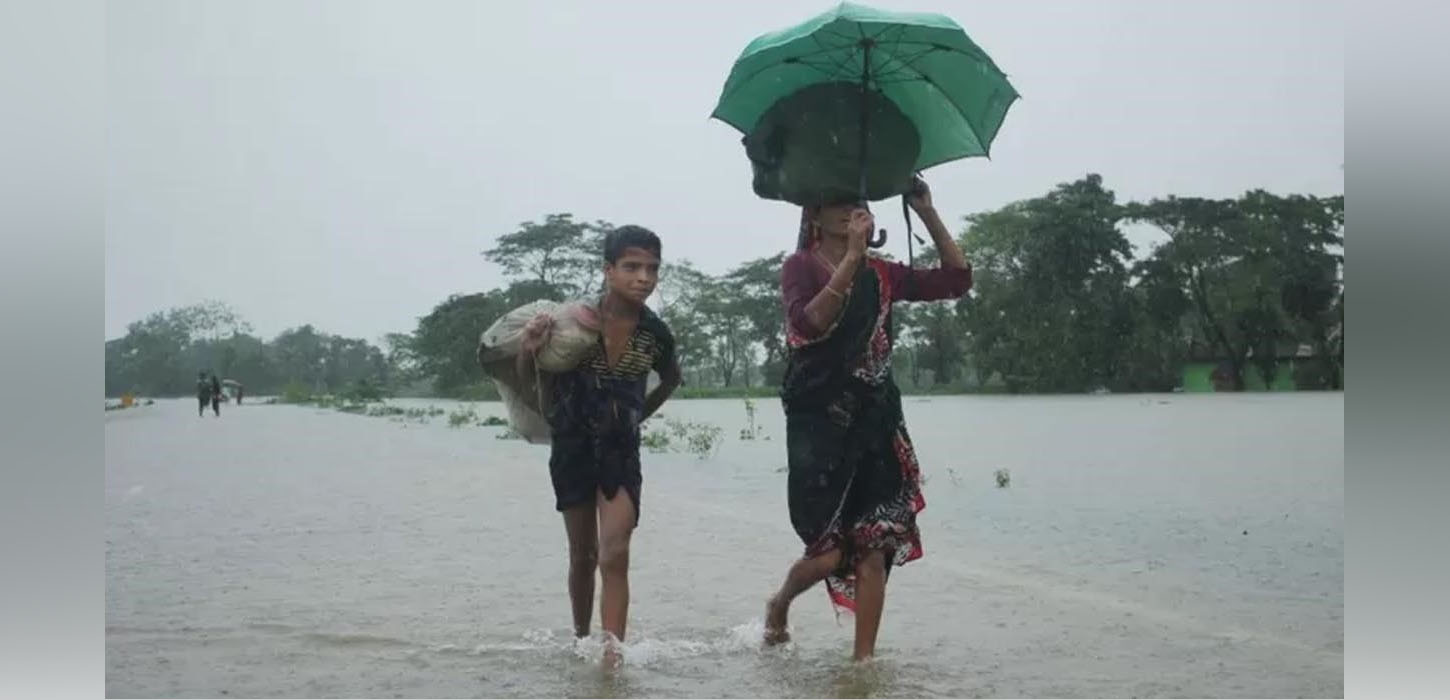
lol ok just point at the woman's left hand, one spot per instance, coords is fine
(920, 197)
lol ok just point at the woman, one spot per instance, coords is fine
(854, 487)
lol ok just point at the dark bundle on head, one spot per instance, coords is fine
(630, 236)
(806, 234)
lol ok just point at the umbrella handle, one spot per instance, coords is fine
(878, 240)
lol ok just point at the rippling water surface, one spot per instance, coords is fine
(1160, 546)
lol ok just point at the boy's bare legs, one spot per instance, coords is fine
(616, 524)
(870, 599)
(579, 523)
(803, 574)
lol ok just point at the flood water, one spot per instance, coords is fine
(1175, 545)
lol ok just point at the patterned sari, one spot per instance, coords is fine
(854, 483)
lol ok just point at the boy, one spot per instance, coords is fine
(595, 416)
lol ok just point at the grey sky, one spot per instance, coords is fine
(344, 163)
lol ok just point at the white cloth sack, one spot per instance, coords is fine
(574, 333)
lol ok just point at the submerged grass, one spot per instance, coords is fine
(700, 439)
(697, 438)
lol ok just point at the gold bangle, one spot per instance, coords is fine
(832, 290)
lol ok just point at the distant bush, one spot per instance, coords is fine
(482, 391)
(363, 392)
(296, 392)
(725, 392)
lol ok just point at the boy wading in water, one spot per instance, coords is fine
(595, 413)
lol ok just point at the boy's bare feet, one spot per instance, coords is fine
(775, 621)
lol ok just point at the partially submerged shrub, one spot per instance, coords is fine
(462, 417)
(296, 392)
(704, 439)
(363, 391)
(655, 441)
(700, 439)
(751, 431)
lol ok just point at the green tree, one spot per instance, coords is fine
(1311, 261)
(351, 361)
(445, 344)
(401, 358)
(301, 356)
(679, 293)
(729, 342)
(931, 336)
(751, 292)
(241, 356)
(557, 258)
(1051, 300)
(1154, 353)
(156, 356)
(1260, 271)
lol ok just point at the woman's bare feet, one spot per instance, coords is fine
(776, 631)
(613, 657)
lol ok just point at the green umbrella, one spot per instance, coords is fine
(891, 93)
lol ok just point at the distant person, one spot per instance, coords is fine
(240, 391)
(595, 416)
(854, 486)
(216, 395)
(203, 393)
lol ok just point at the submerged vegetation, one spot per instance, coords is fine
(700, 439)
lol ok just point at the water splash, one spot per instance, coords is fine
(640, 650)
(542, 636)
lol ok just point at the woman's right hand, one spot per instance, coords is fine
(536, 332)
(858, 232)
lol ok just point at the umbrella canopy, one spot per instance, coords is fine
(924, 94)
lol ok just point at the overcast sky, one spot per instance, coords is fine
(344, 163)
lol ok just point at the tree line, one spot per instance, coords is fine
(161, 355)
(1062, 303)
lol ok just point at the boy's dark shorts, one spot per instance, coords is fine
(581, 466)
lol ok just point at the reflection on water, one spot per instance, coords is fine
(1183, 545)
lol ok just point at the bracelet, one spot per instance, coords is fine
(832, 290)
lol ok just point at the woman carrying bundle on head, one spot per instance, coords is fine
(854, 487)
